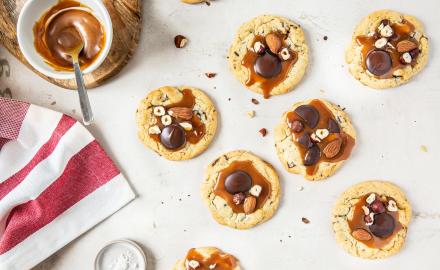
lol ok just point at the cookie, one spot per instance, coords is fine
(241, 190)
(371, 219)
(207, 258)
(269, 55)
(177, 122)
(314, 139)
(387, 49)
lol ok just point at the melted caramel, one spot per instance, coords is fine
(198, 131)
(325, 114)
(402, 31)
(67, 29)
(221, 260)
(257, 179)
(357, 222)
(266, 84)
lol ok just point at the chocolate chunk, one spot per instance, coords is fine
(268, 65)
(238, 181)
(296, 126)
(312, 156)
(383, 225)
(305, 140)
(414, 53)
(309, 114)
(333, 126)
(378, 62)
(173, 137)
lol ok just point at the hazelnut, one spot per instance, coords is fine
(406, 58)
(186, 126)
(159, 111)
(386, 31)
(284, 54)
(322, 133)
(377, 207)
(366, 210)
(259, 47)
(369, 219)
(180, 41)
(256, 190)
(238, 198)
(315, 138)
(154, 130)
(166, 120)
(392, 206)
(371, 198)
(296, 126)
(192, 264)
(380, 43)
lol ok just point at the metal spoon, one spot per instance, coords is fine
(84, 102)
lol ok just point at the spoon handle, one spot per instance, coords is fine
(84, 102)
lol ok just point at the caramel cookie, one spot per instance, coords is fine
(177, 122)
(314, 139)
(269, 55)
(371, 219)
(387, 49)
(241, 190)
(207, 258)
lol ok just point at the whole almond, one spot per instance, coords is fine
(249, 204)
(181, 112)
(361, 235)
(406, 46)
(273, 41)
(332, 148)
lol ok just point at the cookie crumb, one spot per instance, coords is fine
(53, 103)
(300, 188)
(424, 148)
(251, 114)
(305, 220)
(229, 99)
(325, 37)
(180, 41)
(263, 132)
(255, 101)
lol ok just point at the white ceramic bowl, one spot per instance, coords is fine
(32, 11)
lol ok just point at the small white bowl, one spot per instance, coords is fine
(31, 13)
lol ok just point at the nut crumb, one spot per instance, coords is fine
(255, 101)
(210, 74)
(305, 220)
(424, 148)
(263, 132)
(251, 114)
(180, 41)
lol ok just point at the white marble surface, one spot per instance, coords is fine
(168, 217)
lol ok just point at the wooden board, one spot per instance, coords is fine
(126, 18)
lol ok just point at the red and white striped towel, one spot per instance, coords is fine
(56, 182)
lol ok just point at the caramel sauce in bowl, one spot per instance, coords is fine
(47, 28)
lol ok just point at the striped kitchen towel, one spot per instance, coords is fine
(56, 182)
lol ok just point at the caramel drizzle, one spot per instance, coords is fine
(358, 222)
(325, 114)
(222, 261)
(402, 31)
(42, 41)
(266, 84)
(257, 179)
(198, 131)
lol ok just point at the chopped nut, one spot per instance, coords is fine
(296, 126)
(361, 235)
(193, 264)
(255, 101)
(263, 132)
(210, 74)
(398, 72)
(212, 266)
(305, 220)
(322, 133)
(181, 112)
(249, 204)
(238, 198)
(166, 120)
(315, 138)
(416, 35)
(284, 54)
(273, 41)
(180, 41)
(366, 210)
(406, 58)
(424, 148)
(251, 114)
(369, 219)
(392, 206)
(259, 47)
(186, 126)
(256, 190)
(159, 111)
(380, 43)
(154, 130)
(386, 31)
(371, 198)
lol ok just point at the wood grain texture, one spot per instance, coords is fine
(126, 18)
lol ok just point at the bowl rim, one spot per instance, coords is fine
(102, 14)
